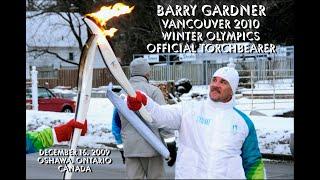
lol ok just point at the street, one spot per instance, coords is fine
(116, 170)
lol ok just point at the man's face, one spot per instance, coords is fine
(220, 90)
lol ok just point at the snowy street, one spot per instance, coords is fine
(116, 170)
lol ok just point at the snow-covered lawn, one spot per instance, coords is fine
(277, 84)
(267, 92)
(273, 133)
(99, 122)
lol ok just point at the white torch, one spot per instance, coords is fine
(95, 22)
(84, 93)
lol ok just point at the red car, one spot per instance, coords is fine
(47, 101)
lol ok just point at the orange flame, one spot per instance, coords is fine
(106, 13)
(110, 32)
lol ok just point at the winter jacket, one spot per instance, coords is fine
(39, 140)
(216, 140)
(134, 144)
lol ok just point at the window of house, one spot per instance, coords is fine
(71, 58)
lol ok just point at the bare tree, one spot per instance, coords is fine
(70, 16)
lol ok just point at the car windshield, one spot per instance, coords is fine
(43, 93)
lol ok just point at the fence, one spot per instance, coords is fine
(198, 74)
(69, 77)
(264, 84)
(274, 90)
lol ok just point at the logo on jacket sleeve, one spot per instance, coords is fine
(235, 129)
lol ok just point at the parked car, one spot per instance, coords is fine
(47, 101)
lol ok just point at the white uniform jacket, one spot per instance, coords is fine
(216, 141)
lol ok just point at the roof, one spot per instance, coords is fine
(51, 30)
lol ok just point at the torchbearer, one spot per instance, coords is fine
(216, 140)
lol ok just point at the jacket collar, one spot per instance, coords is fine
(222, 105)
(138, 79)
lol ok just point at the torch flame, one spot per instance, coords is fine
(110, 32)
(107, 12)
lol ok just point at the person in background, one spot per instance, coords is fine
(141, 159)
(36, 140)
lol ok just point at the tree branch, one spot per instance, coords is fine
(46, 51)
(77, 36)
(69, 20)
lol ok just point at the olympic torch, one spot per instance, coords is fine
(95, 22)
(84, 93)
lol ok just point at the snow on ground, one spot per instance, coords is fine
(277, 84)
(270, 91)
(99, 122)
(202, 90)
(273, 133)
(266, 106)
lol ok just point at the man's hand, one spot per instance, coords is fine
(135, 104)
(63, 132)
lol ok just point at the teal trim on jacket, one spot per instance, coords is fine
(251, 156)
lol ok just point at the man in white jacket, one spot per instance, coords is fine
(216, 140)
